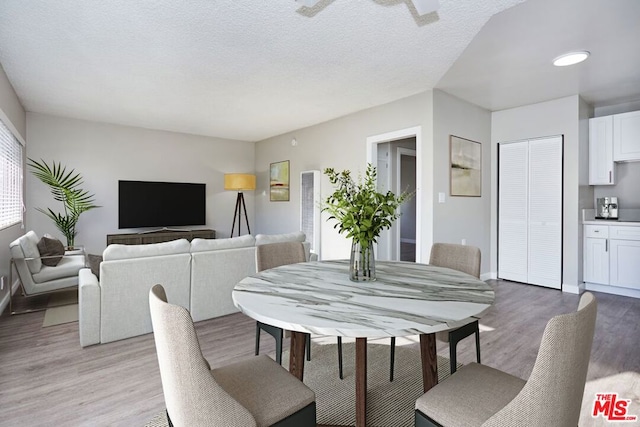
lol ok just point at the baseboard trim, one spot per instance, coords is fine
(488, 276)
(634, 293)
(573, 289)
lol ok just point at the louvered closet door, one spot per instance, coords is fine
(545, 212)
(512, 212)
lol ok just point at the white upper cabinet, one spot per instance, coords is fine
(601, 166)
(626, 137)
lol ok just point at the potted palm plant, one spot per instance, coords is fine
(362, 213)
(65, 188)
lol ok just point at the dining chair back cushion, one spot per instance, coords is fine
(276, 254)
(192, 395)
(553, 393)
(479, 395)
(457, 257)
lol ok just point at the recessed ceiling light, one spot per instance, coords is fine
(570, 58)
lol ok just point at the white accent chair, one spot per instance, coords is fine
(37, 278)
(252, 392)
(478, 395)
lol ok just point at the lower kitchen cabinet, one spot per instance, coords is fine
(624, 263)
(612, 259)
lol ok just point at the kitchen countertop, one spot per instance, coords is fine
(626, 217)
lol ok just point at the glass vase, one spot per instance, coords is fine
(362, 267)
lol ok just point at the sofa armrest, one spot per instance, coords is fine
(88, 308)
(313, 256)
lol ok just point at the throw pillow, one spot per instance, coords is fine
(94, 264)
(53, 248)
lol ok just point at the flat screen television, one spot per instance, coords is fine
(160, 204)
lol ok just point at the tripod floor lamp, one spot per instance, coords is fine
(239, 182)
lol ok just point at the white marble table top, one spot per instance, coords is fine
(406, 299)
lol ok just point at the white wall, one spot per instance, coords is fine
(341, 144)
(461, 217)
(13, 116)
(557, 117)
(105, 153)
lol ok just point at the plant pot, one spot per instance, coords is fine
(362, 267)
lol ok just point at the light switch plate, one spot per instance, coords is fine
(440, 197)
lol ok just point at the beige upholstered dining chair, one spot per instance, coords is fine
(467, 260)
(479, 395)
(253, 392)
(271, 256)
(274, 255)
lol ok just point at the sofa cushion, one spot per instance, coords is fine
(69, 266)
(29, 246)
(205, 245)
(94, 264)
(265, 239)
(52, 249)
(116, 252)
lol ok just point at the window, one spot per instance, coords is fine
(10, 178)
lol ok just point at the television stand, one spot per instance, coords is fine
(158, 236)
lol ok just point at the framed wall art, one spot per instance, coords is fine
(279, 181)
(465, 167)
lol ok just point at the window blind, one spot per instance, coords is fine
(10, 178)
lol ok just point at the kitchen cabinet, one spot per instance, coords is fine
(601, 165)
(624, 257)
(626, 137)
(596, 254)
(612, 258)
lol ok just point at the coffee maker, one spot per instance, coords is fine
(607, 208)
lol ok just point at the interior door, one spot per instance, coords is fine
(545, 212)
(513, 211)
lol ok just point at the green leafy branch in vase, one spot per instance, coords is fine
(359, 209)
(65, 188)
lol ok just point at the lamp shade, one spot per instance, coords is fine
(239, 181)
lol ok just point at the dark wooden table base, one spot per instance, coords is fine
(428, 357)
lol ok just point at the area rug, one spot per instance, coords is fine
(388, 403)
(62, 308)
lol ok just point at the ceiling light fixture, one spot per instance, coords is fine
(571, 58)
(426, 6)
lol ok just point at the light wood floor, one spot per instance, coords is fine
(46, 378)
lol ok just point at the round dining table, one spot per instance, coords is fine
(405, 299)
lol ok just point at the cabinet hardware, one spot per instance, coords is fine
(606, 245)
(609, 176)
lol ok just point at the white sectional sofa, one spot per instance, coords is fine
(199, 276)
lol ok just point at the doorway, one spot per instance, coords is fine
(406, 181)
(395, 154)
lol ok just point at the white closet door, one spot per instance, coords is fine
(512, 212)
(545, 212)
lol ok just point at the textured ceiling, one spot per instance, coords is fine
(234, 69)
(511, 58)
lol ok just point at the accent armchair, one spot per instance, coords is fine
(478, 395)
(35, 277)
(252, 392)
